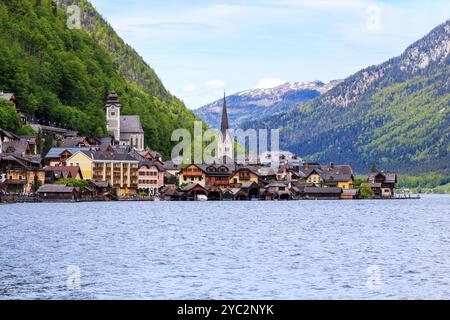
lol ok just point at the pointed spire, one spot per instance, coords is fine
(224, 125)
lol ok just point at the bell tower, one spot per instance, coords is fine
(113, 106)
(225, 143)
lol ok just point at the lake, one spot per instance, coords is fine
(394, 249)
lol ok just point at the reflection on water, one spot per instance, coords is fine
(227, 250)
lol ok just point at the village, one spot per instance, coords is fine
(120, 167)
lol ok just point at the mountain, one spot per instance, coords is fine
(257, 104)
(395, 114)
(63, 75)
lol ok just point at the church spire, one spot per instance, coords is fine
(224, 125)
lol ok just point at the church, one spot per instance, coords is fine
(225, 148)
(126, 130)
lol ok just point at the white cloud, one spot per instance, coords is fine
(267, 83)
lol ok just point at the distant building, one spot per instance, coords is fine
(225, 148)
(150, 176)
(383, 184)
(126, 130)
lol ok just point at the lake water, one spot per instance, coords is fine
(227, 250)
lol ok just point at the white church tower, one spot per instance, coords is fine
(225, 143)
(113, 106)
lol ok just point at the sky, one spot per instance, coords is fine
(200, 48)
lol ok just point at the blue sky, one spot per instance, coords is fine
(199, 48)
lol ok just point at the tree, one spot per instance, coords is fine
(366, 192)
(72, 183)
(374, 168)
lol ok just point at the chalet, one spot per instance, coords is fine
(101, 190)
(244, 175)
(58, 193)
(22, 174)
(19, 147)
(170, 193)
(193, 174)
(219, 174)
(335, 176)
(383, 184)
(215, 193)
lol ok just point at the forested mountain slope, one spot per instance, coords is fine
(64, 75)
(395, 114)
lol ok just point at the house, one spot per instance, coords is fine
(22, 174)
(78, 157)
(57, 157)
(335, 176)
(55, 173)
(19, 147)
(126, 130)
(172, 168)
(170, 193)
(244, 175)
(219, 174)
(58, 193)
(193, 174)
(383, 184)
(150, 176)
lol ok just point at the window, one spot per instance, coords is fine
(112, 114)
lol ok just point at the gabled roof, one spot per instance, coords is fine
(7, 96)
(56, 152)
(130, 124)
(73, 142)
(112, 156)
(16, 147)
(390, 177)
(55, 188)
(65, 172)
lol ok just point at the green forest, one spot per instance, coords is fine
(64, 75)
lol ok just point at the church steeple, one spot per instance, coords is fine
(224, 125)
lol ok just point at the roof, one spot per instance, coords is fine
(130, 124)
(113, 100)
(390, 177)
(9, 134)
(17, 147)
(55, 188)
(99, 184)
(150, 163)
(110, 156)
(56, 152)
(224, 123)
(6, 96)
(314, 190)
(72, 142)
(170, 165)
(64, 172)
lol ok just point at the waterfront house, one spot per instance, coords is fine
(101, 190)
(170, 193)
(58, 193)
(22, 173)
(172, 169)
(383, 184)
(219, 174)
(244, 175)
(150, 176)
(335, 176)
(193, 174)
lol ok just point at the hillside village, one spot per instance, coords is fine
(120, 167)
